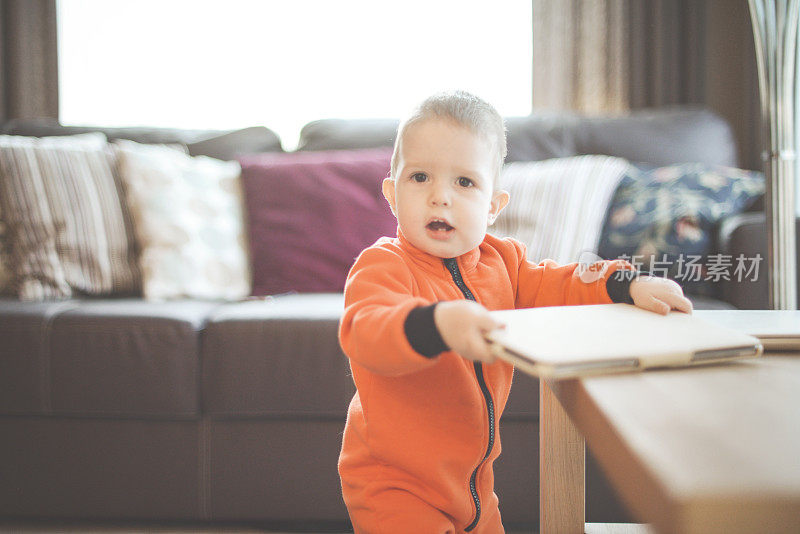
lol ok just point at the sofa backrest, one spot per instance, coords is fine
(663, 136)
(220, 144)
(682, 134)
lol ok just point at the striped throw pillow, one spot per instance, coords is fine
(5, 274)
(557, 206)
(67, 230)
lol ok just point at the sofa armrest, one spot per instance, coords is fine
(745, 235)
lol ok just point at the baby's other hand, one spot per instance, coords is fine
(462, 325)
(659, 295)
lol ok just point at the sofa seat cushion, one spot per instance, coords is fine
(278, 357)
(24, 353)
(120, 358)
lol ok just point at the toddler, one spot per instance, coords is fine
(422, 429)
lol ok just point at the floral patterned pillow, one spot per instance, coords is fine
(662, 219)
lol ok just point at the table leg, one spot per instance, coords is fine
(562, 456)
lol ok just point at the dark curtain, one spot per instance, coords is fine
(611, 56)
(597, 56)
(667, 52)
(28, 59)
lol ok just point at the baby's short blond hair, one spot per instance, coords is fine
(466, 110)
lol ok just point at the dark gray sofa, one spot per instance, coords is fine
(209, 412)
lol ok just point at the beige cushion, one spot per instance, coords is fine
(66, 227)
(189, 225)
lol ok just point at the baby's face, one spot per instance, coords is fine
(442, 194)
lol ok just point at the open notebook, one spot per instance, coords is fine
(569, 341)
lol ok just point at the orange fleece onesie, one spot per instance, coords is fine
(422, 432)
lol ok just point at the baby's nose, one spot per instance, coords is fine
(440, 196)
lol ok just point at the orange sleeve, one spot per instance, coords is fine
(550, 284)
(378, 297)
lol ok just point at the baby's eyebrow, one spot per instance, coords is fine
(412, 165)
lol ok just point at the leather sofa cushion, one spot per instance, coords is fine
(276, 357)
(121, 358)
(682, 134)
(344, 134)
(24, 353)
(81, 469)
(281, 357)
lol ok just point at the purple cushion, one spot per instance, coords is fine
(310, 214)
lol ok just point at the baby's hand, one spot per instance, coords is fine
(462, 325)
(659, 295)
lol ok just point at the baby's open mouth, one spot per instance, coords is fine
(438, 225)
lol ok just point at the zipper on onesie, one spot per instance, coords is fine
(455, 273)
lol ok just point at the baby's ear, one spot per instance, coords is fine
(389, 193)
(499, 201)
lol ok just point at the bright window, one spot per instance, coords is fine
(236, 63)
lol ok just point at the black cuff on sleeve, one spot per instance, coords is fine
(618, 285)
(422, 333)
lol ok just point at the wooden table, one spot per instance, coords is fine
(705, 449)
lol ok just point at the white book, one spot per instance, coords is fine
(569, 341)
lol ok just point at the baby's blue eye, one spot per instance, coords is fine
(464, 182)
(419, 177)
